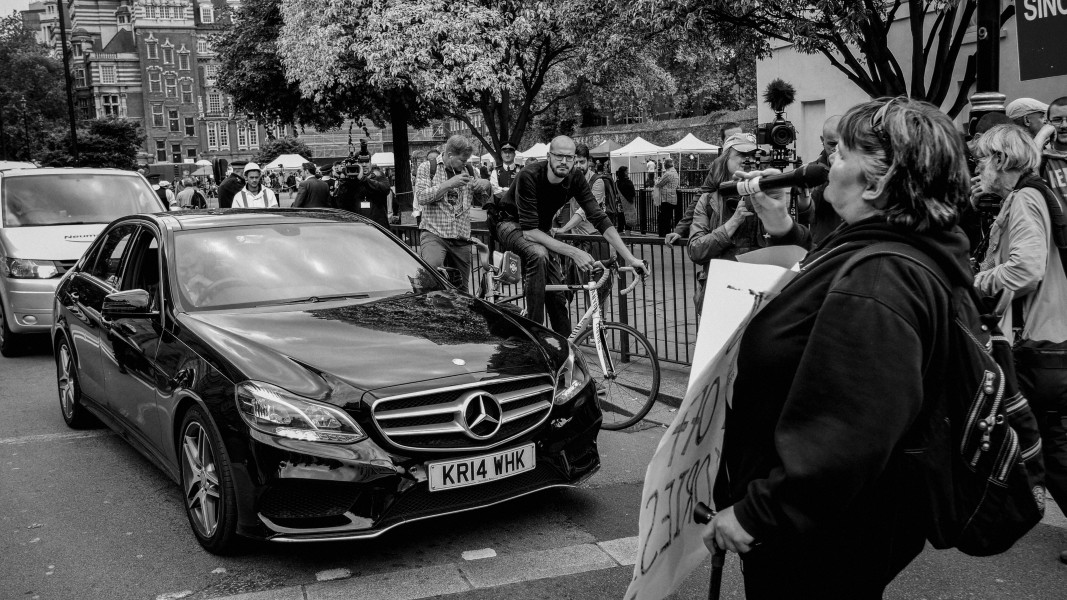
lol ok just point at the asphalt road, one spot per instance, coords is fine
(83, 515)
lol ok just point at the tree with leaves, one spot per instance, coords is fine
(272, 149)
(109, 142)
(31, 89)
(853, 36)
(507, 60)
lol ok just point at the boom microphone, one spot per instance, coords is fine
(808, 176)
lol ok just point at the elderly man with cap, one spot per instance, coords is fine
(1028, 114)
(501, 177)
(255, 194)
(166, 194)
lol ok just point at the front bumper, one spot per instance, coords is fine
(315, 498)
(28, 303)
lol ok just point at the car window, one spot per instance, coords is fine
(142, 267)
(108, 258)
(73, 198)
(259, 265)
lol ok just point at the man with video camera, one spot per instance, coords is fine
(358, 192)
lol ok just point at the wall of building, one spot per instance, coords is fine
(823, 90)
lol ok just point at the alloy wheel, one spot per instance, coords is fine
(200, 479)
(66, 382)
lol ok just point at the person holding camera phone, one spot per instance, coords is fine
(444, 192)
(723, 228)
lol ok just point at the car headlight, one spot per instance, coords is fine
(272, 410)
(571, 378)
(24, 268)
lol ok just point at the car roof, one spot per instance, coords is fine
(67, 171)
(231, 217)
(7, 165)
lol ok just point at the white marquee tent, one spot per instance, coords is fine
(382, 159)
(690, 144)
(286, 161)
(634, 155)
(538, 151)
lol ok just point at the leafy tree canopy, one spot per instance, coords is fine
(102, 143)
(31, 88)
(272, 149)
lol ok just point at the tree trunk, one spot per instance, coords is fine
(398, 118)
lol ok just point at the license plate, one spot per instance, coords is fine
(451, 474)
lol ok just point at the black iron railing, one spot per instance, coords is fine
(662, 308)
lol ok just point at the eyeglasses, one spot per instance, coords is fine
(567, 158)
(1057, 121)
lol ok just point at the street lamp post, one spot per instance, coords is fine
(987, 97)
(68, 78)
(26, 128)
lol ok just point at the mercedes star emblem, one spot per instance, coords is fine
(481, 415)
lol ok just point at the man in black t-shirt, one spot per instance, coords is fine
(525, 219)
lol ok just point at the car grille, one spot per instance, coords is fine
(307, 499)
(435, 420)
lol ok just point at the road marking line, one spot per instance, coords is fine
(55, 437)
(455, 578)
(479, 554)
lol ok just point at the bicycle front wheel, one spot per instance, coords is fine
(628, 389)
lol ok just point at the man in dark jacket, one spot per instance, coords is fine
(229, 187)
(823, 219)
(364, 195)
(312, 192)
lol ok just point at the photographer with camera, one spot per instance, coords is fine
(360, 193)
(445, 191)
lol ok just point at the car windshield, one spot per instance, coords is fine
(293, 263)
(74, 198)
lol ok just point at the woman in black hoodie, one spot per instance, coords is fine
(834, 375)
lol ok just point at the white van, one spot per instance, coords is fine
(48, 218)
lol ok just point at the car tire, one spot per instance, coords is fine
(207, 484)
(11, 343)
(73, 410)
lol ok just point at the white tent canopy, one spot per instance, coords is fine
(634, 154)
(538, 151)
(690, 144)
(286, 161)
(382, 159)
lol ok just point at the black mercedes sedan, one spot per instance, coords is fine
(302, 375)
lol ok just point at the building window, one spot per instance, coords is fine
(123, 19)
(157, 115)
(176, 152)
(214, 102)
(190, 152)
(154, 84)
(211, 72)
(202, 47)
(110, 103)
(242, 135)
(161, 151)
(77, 49)
(253, 134)
(172, 86)
(153, 50)
(183, 61)
(172, 117)
(207, 14)
(224, 136)
(107, 74)
(212, 136)
(190, 127)
(79, 77)
(187, 92)
(168, 56)
(85, 108)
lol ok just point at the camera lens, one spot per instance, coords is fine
(782, 135)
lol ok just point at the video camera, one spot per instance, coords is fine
(357, 164)
(779, 134)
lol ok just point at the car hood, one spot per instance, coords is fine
(376, 344)
(49, 242)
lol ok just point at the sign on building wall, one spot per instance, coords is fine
(1042, 43)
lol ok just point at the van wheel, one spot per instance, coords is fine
(10, 342)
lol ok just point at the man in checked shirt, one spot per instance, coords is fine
(444, 194)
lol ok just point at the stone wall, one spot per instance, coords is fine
(664, 133)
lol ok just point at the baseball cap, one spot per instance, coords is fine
(252, 167)
(1020, 107)
(742, 142)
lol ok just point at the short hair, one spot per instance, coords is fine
(459, 145)
(581, 151)
(992, 119)
(913, 156)
(622, 171)
(310, 168)
(1014, 143)
(728, 125)
(1061, 101)
(668, 163)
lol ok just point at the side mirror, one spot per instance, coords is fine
(127, 304)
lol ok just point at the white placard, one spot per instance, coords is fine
(683, 469)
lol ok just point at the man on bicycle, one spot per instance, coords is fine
(523, 221)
